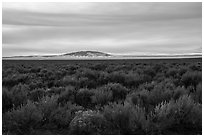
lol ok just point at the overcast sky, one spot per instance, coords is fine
(121, 28)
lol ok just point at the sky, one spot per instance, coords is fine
(119, 28)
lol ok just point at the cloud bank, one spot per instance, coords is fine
(121, 28)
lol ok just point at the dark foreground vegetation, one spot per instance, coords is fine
(102, 97)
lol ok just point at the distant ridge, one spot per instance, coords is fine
(87, 53)
(72, 54)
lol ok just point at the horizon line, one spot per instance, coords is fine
(113, 54)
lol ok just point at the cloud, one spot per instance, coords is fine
(111, 27)
(100, 13)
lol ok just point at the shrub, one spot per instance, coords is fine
(150, 71)
(19, 94)
(117, 77)
(99, 67)
(159, 68)
(157, 93)
(35, 70)
(125, 118)
(60, 118)
(197, 95)
(33, 84)
(103, 78)
(67, 95)
(88, 122)
(195, 67)
(22, 120)
(119, 92)
(14, 79)
(36, 94)
(156, 96)
(179, 91)
(178, 117)
(85, 82)
(140, 98)
(182, 70)
(69, 80)
(132, 80)
(55, 91)
(47, 105)
(71, 69)
(172, 72)
(102, 96)
(191, 78)
(7, 99)
(159, 77)
(147, 86)
(83, 97)
(90, 74)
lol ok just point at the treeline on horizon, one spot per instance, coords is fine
(102, 97)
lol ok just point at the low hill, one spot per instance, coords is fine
(87, 54)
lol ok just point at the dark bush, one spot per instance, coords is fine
(180, 91)
(90, 74)
(195, 67)
(150, 71)
(62, 115)
(84, 82)
(191, 78)
(125, 118)
(182, 70)
(84, 97)
(14, 79)
(36, 83)
(117, 77)
(67, 95)
(172, 73)
(119, 92)
(197, 95)
(18, 94)
(103, 78)
(159, 68)
(102, 95)
(55, 91)
(47, 105)
(150, 95)
(179, 116)
(7, 99)
(133, 80)
(36, 94)
(23, 120)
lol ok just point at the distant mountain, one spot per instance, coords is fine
(72, 55)
(87, 54)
